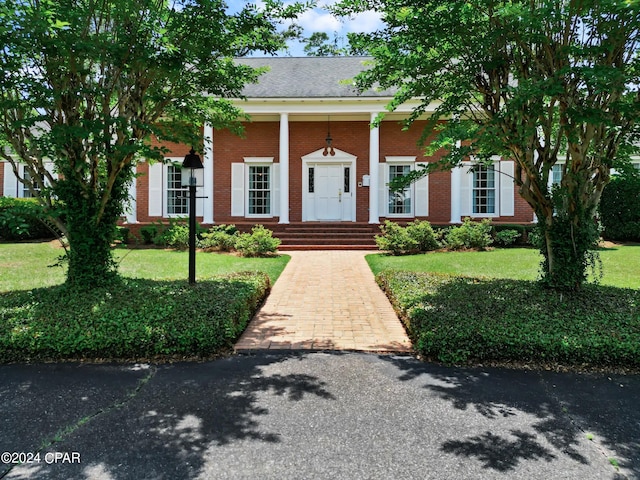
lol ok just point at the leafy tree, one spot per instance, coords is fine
(318, 44)
(536, 81)
(87, 84)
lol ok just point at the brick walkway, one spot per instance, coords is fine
(326, 300)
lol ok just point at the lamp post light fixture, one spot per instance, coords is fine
(192, 163)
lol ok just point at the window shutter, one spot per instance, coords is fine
(507, 208)
(50, 167)
(156, 189)
(237, 189)
(10, 185)
(275, 189)
(466, 190)
(383, 190)
(422, 197)
(200, 201)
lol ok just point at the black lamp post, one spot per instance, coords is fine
(191, 163)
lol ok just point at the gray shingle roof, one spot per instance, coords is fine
(307, 77)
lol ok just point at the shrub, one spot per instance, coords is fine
(507, 237)
(469, 235)
(148, 232)
(620, 209)
(137, 319)
(24, 219)
(219, 237)
(422, 232)
(455, 319)
(395, 239)
(176, 236)
(260, 242)
(122, 234)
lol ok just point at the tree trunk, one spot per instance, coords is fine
(91, 230)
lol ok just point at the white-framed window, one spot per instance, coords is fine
(255, 188)
(259, 193)
(556, 173)
(177, 196)
(484, 190)
(25, 192)
(487, 191)
(399, 201)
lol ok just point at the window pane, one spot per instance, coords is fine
(312, 179)
(177, 195)
(347, 179)
(399, 201)
(484, 189)
(259, 190)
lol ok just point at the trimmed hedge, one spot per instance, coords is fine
(455, 319)
(23, 219)
(138, 319)
(620, 209)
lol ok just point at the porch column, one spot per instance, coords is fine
(456, 181)
(374, 160)
(284, 168)
(132, 207)
(207, 211)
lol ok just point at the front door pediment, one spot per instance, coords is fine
(339, 157)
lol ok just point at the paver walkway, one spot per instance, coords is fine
(326, 300)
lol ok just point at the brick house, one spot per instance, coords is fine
(283, 174)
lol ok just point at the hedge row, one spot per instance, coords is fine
(139, 319)
(455, 319)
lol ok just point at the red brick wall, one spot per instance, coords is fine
(261, 139)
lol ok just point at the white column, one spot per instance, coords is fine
(207, 212)
(132, 207)
(284, 168)
(374, 159)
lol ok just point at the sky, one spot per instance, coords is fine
(320, 19)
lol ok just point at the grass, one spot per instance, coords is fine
(621, 264)
(28, 265)
(150, 313)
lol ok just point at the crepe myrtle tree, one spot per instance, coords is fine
(543, 82)
(86, 84)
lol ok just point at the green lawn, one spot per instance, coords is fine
(621, 264)
(28, 265)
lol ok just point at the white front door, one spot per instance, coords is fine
(329, 187)
(329, 184)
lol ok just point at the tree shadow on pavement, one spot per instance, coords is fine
(566, 410)
(183, 411)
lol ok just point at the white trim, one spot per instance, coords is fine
(395, 159)
(399, 161)
(262, 160)
(247, 169)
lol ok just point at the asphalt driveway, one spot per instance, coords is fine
(315, 416)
